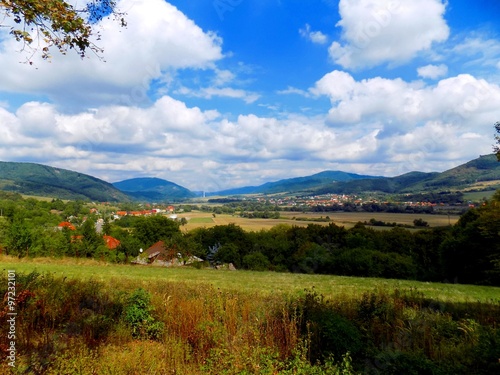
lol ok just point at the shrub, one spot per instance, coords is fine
(329, 332)
(256, 261)
(137, 315)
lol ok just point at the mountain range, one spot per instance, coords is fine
(153, 189)
(482, 173)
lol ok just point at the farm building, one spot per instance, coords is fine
(161, 255)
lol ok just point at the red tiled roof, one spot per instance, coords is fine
(66, 224)
(111, 242)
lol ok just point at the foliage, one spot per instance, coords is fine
(137, 314)
(123, 326)
(149, 230)
(58, 24)
(468, 252)
(329, 333)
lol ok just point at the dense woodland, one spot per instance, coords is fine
(468, 252)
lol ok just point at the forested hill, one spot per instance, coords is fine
(42, 180)
(480, 173)
(297, 184)
(153, 189)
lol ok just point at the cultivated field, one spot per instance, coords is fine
(345, 219)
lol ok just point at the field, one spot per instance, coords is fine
(263, 283)
(81, 316)
(345, 219)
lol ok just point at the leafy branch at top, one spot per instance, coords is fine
(56, 23)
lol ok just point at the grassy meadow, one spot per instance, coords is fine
(77, 316)
(263, 283)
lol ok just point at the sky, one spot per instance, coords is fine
(216, 94)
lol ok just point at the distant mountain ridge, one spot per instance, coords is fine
(42, 180)
(475, 174)
(295, 184)
(37, 179)
(153, 189)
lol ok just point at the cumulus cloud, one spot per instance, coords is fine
(432, 71)
(386, 31)
(158, 38)
(400, 104)
(375, 126)
(425, 126)
(316, 37)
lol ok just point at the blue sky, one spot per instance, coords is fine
(225, 93)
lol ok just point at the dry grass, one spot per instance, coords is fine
(344, 219)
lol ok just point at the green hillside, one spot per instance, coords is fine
(153, 189)
(482, 173)
(297, 184)
(485, 169)
(42, 180)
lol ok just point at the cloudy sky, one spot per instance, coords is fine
(212, 94)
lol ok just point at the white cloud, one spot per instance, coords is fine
(400, 104)
(478, 49)
(386, 31)
(316, 37)
(393, 127)
(432, 71)
(158, 38)
(295, 91)
(227, 92)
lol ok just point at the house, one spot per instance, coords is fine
(111, 242)
(160, 255)
(66, 224)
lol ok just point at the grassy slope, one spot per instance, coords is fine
(265, 283)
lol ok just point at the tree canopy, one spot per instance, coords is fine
(42, 25)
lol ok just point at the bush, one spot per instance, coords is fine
(137, 315)
(329, 332)
(256, 261)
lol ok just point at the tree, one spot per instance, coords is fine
(57, 24)
(496, 148)
(155, 228)
(19, 238)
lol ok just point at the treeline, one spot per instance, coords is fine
(468, 252)
(268, 209)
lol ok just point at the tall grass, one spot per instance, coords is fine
(262, 283)
(82, 326)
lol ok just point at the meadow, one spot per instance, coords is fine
(263, 283)
(344, 219)
(82, 316)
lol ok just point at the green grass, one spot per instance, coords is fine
(198, 220)
(477, 196)
(264, 283)
(342, 219)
